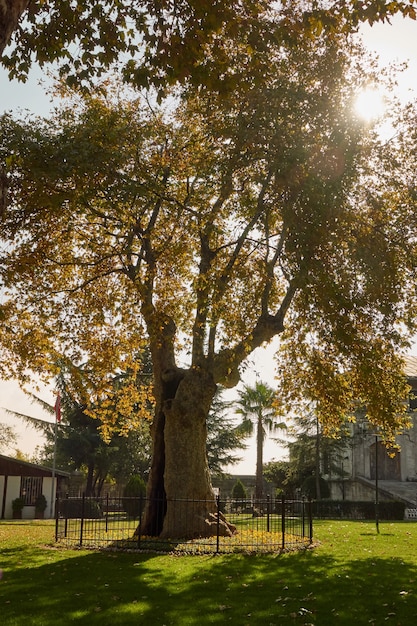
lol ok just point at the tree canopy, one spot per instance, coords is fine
(125, 219)
(159, 42)
(204, 228)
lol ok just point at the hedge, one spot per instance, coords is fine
(347, 509)
(133, 494)
(73, 508)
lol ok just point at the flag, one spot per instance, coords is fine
(58, 408)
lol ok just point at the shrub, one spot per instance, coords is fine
(347, 509)
(40, 503)
(309, 487)
(18, 504)
(239, 494)
(133, 493)
(73, 508)
(392, 510)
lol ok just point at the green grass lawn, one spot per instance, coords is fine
(353, 577)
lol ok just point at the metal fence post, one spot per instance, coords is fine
(56, 516)
(268, 512)
(218, 524)
(66, 515)
(303, 513)
(310, 515)
(82, 519)
(283, 521)
(140, 517)
(107, 512)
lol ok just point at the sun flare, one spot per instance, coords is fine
(370, 104)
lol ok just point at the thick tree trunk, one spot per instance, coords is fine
(89, 487)
(186, 469)
(180, 501)
(10, 14)
(180, 498)
(155, 496)
(166, 380)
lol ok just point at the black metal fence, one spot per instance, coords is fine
(116, 523)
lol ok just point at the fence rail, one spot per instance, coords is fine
(115, 523)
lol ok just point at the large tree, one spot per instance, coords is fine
(201, 230)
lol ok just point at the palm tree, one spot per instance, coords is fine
(257, 406)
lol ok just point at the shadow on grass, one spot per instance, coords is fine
(69, 587)
(381, 534)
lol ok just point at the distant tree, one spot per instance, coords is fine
(133, 492)
(223, 436)
(79, 445)
(7, 437)
(317, 488)
(239, 493)
(257, 407)
(132, 453)
(83, 442)
(277, 473)
(312, 454)
(21, 456)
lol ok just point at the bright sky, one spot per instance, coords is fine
(396, 42)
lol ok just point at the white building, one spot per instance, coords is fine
(366, 462)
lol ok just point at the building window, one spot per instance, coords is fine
(30, 489)
(326, 462)
(413, 399)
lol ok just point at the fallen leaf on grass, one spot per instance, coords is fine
(303, 611)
